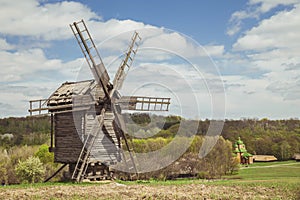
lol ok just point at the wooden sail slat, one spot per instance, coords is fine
(143, 103)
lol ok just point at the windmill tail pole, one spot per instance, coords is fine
(48, 179)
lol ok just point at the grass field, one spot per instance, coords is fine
(277, 180)
(269, 173)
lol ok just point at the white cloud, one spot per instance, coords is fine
(29, 73)
(16, 65)
(153, 39)
(255, 97)
(215, 50)
(267, 5)
(45, 21)
(288, 90)
(237, 18)
(5, 46)
(188, 88)
(262, 71)
(279, 31)
(116, 28)
(271, 48)
(234, 29)
(273, 43)
(254, 9)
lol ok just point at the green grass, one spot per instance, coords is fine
(285, 175)
(274, 170)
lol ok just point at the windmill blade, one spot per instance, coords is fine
(127, 62)
(143, 103)
(91, 55)
(122, 130)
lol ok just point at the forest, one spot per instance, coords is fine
(22, 138)
(280, 138)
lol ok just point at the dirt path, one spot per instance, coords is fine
(139, 191)
(270, 166)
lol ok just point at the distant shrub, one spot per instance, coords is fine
(31, 170)
(203, 175)
(3, 172)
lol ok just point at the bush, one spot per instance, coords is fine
(3, 173)
(9, 159)
(203, 175)
(30, 170)
(44, 155)
(218, 162)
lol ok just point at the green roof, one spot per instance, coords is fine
(246, 155)
(239, 141)
(243, 150)
(236, 151)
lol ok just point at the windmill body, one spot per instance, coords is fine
(86, 122)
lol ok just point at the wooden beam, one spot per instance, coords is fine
(55, 173)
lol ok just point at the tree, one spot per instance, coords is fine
(30, 170)
(44, 155)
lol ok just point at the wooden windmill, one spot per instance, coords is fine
(86, 122)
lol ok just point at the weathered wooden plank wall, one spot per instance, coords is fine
(67, 142)
(105, 148)
(72, 128)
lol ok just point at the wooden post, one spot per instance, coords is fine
(51, 132)
(40, 106)
(30, 108)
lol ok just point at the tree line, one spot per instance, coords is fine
(24, 131)
(280, 138)
(22, 138)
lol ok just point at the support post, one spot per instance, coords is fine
(30, 108)
(51, 132)
(40, 106)
(55, 173)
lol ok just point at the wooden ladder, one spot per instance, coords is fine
(82, 162)
(91, 54)
(127, 61)
(132, 164)
(130, 161)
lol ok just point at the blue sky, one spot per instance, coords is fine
(249, 45)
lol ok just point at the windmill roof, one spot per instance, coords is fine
(68, 91)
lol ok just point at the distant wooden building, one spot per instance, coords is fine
(264, 158)
(242, 155)
(297, 157)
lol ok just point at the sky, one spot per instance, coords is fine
(215, 59)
